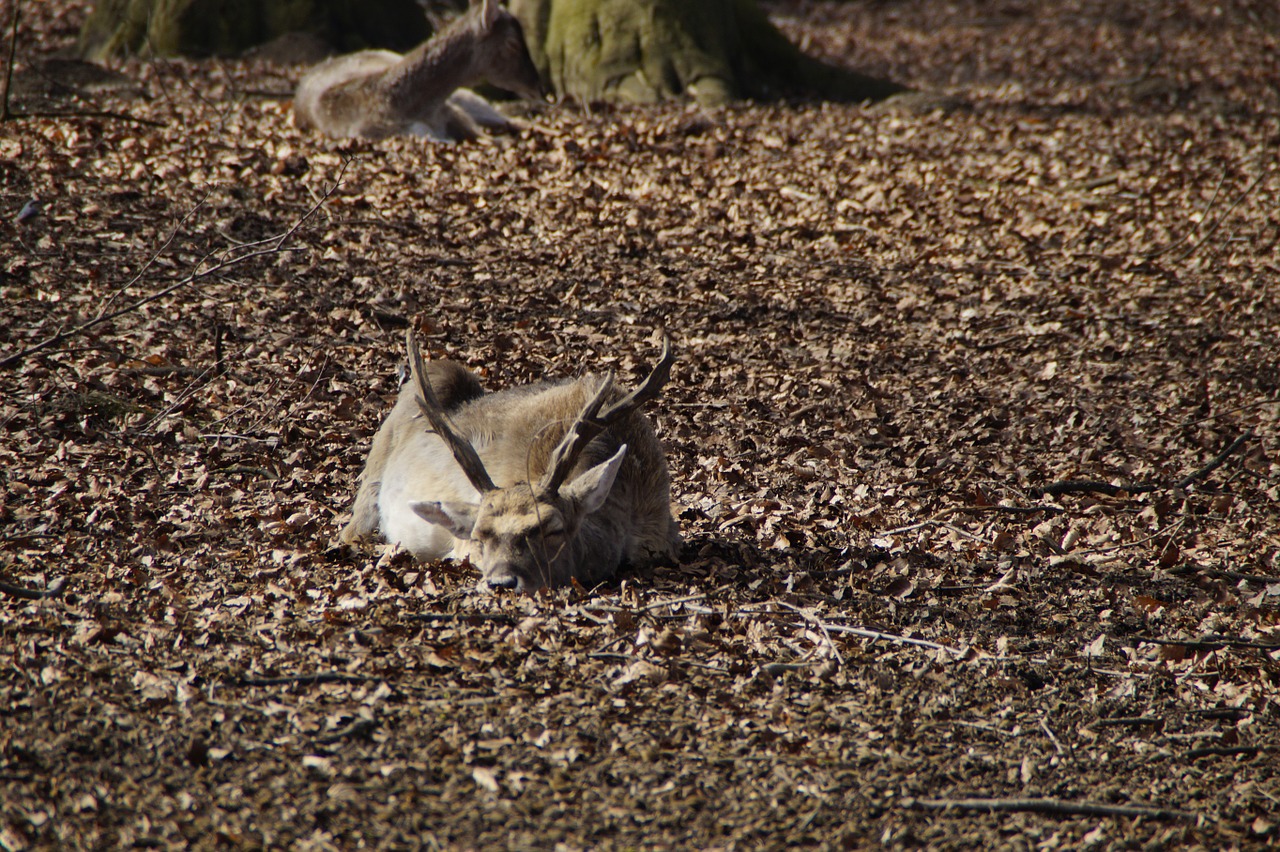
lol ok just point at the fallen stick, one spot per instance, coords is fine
(274, 245)
(1222, 751)
(893, 637)
(1051, 806)
(1087, 486)
(54, 589)
(305, 679)
(1211, 643)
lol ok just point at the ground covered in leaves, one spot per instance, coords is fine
(900, 333)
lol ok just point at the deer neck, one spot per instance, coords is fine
(426, 76)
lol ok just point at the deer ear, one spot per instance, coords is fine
(591, 488)
(458, 518)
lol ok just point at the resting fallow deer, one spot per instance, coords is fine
(378, 93)
(535, 485)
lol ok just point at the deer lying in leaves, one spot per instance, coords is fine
(535, 485)
(377, 93)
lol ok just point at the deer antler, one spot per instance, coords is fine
(463, 452)
(595, 417)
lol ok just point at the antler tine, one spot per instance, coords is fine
(463, 452)
(592, 420)
(648, 389)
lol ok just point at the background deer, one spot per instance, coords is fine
(535, 485)
(378, 93)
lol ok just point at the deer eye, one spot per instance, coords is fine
(553, 537)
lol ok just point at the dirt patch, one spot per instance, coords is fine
(896, 331)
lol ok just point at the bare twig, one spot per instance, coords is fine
(1169, 533)
(1052, 806)
(271, 245)
(499, 617)
(1211, 643)
(1087, 486)
(1213, 199)
(106, 304)
(1218, 222)
(305, 679)
(1135, 721)
(90, 113)
(1216, 462)
(820, 624)
(1044, 726)
(1222, 751)
(685, 599)
(55, 588)
(893, 637)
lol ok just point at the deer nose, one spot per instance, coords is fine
(503, 581)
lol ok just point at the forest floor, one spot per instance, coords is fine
(900, 333)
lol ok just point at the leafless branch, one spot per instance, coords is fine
(1222, 751)
(1211, 643)
(820, 624)
(1051, 806)
(1194, 247)
(892, 637)
(229, 259)
(304, 679)
(1087, 486)
(55, 588)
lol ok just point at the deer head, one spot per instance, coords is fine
(501, 51)
(525, 536)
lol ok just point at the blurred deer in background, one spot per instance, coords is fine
(378, 93)
(535, 485)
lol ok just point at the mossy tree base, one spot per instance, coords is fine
(229, 27)
(635, 51)
(649, 50)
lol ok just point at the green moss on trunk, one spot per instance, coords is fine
(648, 50)
(229, 27)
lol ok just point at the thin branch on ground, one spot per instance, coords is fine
(23, 593)
(1052, 806)
(1194, 247)
(936, 521)
(451, 617)
(1088, 486)
(820, 624)
(271, 245)
(1204, 214)
(1222, 751)
(1134, 721)
(90, 113)
(892, 637)
(685, 599)
(1211, 643)
(1169, 533)
(304, 679)
(155, 255)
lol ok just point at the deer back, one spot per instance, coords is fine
(377, 93)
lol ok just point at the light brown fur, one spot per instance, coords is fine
(376, 93)
(518, 537)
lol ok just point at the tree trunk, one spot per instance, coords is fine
(230, 27)
(649, 50)
(635, 51)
